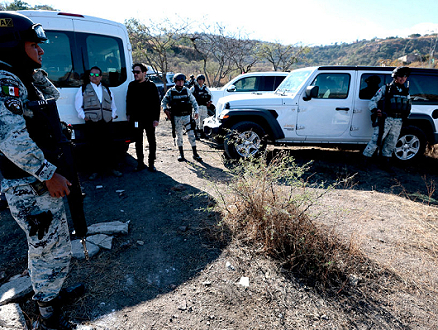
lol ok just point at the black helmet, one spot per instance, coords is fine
(200, 76)
(179, 76)
(15, 27)
(401, 71)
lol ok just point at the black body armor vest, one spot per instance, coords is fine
(45, 130)
(180, 104)
(201, 95)
(396, 102)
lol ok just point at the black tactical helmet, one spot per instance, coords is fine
(401, 71)
(179, 76)
(15, 27)
(200, 76)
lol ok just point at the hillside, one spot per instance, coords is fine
(376, 52)
(372, 52)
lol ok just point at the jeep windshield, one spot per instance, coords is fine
(292, 83)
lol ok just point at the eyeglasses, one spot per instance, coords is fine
(94, 75)
(136, 72)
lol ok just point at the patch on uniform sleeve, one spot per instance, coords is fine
(10, 91)
(14, 105)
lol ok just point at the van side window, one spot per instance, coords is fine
(332, 85)
(67, 55)
(107, 53)
(423, 88)
(58, 61)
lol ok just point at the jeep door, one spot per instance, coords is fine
(368, 84)
(329, 113)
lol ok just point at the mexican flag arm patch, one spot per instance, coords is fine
(10, 90)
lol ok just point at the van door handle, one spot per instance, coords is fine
(342, 109)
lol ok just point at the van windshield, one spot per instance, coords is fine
(293, 81)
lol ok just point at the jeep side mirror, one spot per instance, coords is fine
(232, 88)
(311, 92)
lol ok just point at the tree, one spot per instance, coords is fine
(17, 5)
(21, 5)
(280, 56)
(154, 43)
(229, 52)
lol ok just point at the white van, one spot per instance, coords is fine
(75, 44)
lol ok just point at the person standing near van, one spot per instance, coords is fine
(177, 105)
(31, 182)
(95, 104)
(389, 107)
(143, 111)
(203, 96)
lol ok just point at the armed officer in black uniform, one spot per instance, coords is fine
(34, 165)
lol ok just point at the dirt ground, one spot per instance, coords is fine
(171, 271)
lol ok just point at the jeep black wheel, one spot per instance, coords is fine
(410, 145)
(245, 139)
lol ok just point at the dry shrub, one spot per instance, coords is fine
(265, 206)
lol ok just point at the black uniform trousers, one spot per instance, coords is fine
(150, 134)
(100, 142)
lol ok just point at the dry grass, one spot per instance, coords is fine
(265, 206)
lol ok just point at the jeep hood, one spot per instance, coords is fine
(253, 100)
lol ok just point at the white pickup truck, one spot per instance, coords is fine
(248, 83)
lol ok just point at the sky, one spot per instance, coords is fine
(304, 22)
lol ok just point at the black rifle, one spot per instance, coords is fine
(172, 122)
(380, 122)
(58, 151)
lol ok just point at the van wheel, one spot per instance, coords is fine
(410, 145)
(245, 139)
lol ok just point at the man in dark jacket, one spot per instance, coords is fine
(143, 111)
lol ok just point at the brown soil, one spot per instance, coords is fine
(173, 272)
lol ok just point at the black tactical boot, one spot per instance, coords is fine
(140, 166)
(195, 155)
(70, 294)
(385, 164)
(151, 167)
(51, 317)
(181, 155)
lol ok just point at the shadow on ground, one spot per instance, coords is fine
(415, 180)
(171, 238)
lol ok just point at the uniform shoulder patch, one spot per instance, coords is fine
(8, 90)
(14, 105)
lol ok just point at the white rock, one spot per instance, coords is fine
(244, 281)
(11, 317)
(78, 249)
(109, 228)
(16, 288)
(101, 240)
(229, 266)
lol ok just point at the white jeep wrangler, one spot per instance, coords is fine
(324, 106)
